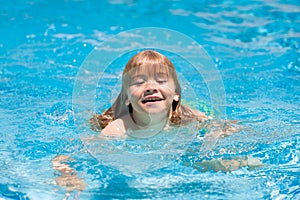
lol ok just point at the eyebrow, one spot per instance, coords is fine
(161, 74)
(156, 74)
(138, 76)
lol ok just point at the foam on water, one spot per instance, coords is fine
(255, 45)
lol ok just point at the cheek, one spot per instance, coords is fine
(133, 92)
(169, 90)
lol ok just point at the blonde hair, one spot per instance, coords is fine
(152, 62)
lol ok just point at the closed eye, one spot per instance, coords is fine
(138, 82)
(161, 81)
(161, 78)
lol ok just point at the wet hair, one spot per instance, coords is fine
(152, 62)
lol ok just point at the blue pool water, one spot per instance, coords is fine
(254, 45)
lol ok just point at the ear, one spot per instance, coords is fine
(175, 102)
(176, 97)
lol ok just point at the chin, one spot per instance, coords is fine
(156, 111)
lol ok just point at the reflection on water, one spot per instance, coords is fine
(255, 45)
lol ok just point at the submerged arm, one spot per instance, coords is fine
(228, 165)
(68, 177)
(215, 130)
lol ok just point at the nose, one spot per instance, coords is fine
(150, 88)
(150, 91)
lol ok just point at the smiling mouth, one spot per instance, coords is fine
(152, 99)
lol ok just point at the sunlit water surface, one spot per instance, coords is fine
(255, 45)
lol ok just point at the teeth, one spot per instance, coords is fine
(151, 100)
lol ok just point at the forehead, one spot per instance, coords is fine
(151, 70)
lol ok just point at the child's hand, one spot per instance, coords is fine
(235, 164)
(68, 177)
(253, 163)
(228, 165)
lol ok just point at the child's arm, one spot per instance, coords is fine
(68, 177)
(215, 130)
(228, 165)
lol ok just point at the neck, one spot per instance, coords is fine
(150, 121)
(147, 126)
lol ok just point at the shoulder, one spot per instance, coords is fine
(116, 128)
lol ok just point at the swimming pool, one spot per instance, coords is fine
(254, 44)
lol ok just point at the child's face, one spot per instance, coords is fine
(151, 93)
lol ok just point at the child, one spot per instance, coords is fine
(150, 98)
(150, 101)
